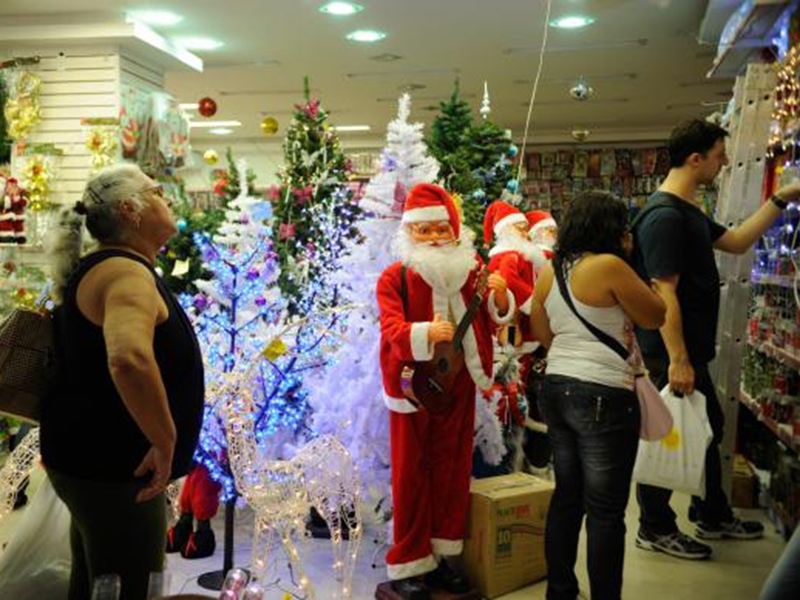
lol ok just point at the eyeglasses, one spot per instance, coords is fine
(159, 191)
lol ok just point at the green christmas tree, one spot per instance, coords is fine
(473, 157)
(180, 260)
(313, 184)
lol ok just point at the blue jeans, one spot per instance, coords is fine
(594, 430)
(784, 581)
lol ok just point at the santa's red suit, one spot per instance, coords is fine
(431, 453)
(512, 257)
(542, 235)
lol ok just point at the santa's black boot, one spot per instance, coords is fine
(447, 579)
(413, 588)
(202, 542)
(178, 534)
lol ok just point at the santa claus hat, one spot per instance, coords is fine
(499, 215)
(428, 202)
(539, 219)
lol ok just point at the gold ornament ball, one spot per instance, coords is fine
(269, 125)
(211, 157)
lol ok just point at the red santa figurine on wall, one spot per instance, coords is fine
(513, 256)
(542, 233)
(13, 200)
(421, 299)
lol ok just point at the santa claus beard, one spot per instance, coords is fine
(513, 241)
(443, 267)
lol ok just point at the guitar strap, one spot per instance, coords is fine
(404, 290)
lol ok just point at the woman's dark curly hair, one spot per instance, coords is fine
(595, 222)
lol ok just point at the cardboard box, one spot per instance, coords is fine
(504, 549)
(744, 486)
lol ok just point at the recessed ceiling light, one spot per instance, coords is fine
(199, 43)
(156, 17)
(366, 36)
(220, 131)
(209, 124)
(341, 9)
(571, 22)
(352, 127)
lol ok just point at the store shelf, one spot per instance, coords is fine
(782, 432)
(785, 356)
(786, 281)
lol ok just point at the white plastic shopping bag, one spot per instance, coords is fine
(677, 462)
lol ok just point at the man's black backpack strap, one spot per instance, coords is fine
(667, 201)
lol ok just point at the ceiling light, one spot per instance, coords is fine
(571, 22)
(352, 127)
(198, 43)
(189, 106)
(156, 17)
(366, 36)
(220, 131)
(341, 9)
(209, 124)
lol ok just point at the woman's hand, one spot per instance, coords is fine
(159, 462)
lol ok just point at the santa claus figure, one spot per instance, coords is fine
(422, 298)
(542, 233)
(513, 256)
(12, 212)
(199, 500)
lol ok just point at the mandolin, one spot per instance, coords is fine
(429, 384)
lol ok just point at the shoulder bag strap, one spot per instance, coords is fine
(404, 290)
(558, 268)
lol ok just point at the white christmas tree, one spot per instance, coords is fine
(242, 324)
(347, 400)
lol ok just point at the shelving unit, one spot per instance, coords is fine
(782, 431)
(788, 357)
(787, 281)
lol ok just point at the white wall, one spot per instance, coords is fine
(264, 158)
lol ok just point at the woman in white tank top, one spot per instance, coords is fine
(588, 400)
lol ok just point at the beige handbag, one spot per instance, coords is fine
(27, 363)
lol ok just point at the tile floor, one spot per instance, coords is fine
(736, 572)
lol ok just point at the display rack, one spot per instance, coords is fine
(740, 194)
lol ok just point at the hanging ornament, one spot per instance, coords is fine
(512, 186)
(102, 143)
(181, 224)
(581, 90)
(207, 107)
(210, 157)
(269, 125)
(23, 109)
(37, 174)
(479, 194)
(513, 151)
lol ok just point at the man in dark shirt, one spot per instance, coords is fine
(674, 245)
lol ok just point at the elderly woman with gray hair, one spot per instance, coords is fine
(127, 414)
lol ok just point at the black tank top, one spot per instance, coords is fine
(86, 431)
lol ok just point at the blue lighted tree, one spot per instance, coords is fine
(241, 319)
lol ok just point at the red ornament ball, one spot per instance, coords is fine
(207, 107)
